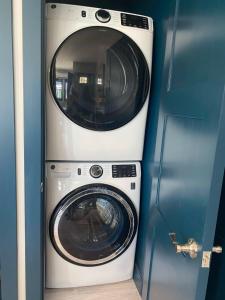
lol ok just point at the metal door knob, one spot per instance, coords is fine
(191, 247)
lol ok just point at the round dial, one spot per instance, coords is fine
(96, 171)
(103, 16)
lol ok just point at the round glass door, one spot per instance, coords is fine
(93, 225)
(99, 78)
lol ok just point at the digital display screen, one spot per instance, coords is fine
(123, 171)
(134, 21)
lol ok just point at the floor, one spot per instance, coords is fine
(118, 291)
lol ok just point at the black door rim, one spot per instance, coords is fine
(74, 196)
(121, 122)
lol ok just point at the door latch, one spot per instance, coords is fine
(206, 256)
(217, 249)
(191, 247)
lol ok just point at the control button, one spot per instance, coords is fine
(96, 171)
(79, 171)
(52, 167)
(83, 14)
(103, 16)
(132, 186)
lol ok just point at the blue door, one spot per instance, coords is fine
(184, 156)
(185, 208)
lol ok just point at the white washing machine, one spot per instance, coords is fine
(92, 220)
(98, 80)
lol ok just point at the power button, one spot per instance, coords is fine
(83, 13)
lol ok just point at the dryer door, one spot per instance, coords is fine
(93, 225)
(99, 78)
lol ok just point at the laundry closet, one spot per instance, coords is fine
(98, 73)
(99, 70)
(123, 150)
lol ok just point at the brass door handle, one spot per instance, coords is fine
(191, 247)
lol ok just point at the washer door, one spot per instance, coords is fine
(93, 225)
(99, 78)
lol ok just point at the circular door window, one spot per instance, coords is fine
(93, 225)
(99, 78)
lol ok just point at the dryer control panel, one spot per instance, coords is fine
(124, 171)
(134, 21)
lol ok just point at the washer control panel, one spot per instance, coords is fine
(134, 21)
(96, 171)
(103, 16)
(119, 171)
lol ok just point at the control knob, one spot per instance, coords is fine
(103, 16)
(96, 171)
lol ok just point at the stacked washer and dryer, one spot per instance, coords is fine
(97, 89)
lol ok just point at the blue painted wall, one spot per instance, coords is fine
(8, 242)
(32, 26)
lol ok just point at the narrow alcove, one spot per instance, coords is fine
(126, 289)
(182, 128)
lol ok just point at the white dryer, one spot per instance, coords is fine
(98, 79)
(91, 220)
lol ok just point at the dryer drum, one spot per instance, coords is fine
(93, 225)
(99, 78)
